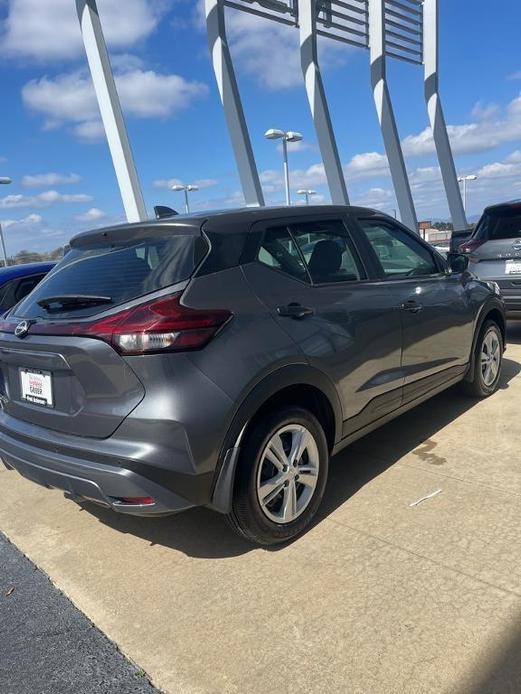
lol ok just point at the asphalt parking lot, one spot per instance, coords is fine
(380, 596)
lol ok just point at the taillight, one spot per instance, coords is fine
(469, 246)
(160, 325)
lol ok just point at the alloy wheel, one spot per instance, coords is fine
(288, 473)
(490, 357)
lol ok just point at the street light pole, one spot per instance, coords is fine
(290, 136)
(4, 181)
(307, 194)
(464, 179)
(286, 169)
(185, 189)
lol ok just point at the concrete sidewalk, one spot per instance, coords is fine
(378, 597)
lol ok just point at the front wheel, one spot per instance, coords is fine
(488, 358)
(281, 476)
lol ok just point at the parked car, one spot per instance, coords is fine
(206, 360)
(16, 281)
(494, 251)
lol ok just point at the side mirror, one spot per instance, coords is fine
(458, 262)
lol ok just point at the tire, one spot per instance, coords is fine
(481, 382)
(268, 471)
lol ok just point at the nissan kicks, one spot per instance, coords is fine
(221, 359)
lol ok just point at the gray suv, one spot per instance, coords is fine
(494, 251)
(221, 359)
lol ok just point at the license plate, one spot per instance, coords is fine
(37, 387)
(513, 267)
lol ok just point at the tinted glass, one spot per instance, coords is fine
(503, 223)
(399, 253)
(26, 286)
(121, 272)
(328, 252)
(279, 251)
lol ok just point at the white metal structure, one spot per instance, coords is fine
(464, 180)
(110, 108)
(227, 84)
(308, 13)
(4, 180)
(289, 136)
(186, 190)
(436, 117)
(307, 194)
(384, 108)
(401, 29)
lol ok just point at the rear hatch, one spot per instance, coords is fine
(58, 368)
(495, 246)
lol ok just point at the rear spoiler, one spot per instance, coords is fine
(163, 212)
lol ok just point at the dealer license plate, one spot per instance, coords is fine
(37, 387)
(513, 267)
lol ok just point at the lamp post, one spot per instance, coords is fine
(4, 180)
(289, 136)
(464, 179)
(307, 194)
(186, 190)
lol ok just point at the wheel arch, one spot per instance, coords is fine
(297, 384)
(492, 310)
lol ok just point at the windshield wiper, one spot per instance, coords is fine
(72, 301)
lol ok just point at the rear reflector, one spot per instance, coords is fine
(136, 500)
(161, 325)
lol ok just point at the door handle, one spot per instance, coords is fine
(412, 306)
(296, 311)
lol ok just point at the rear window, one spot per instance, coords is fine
(502, 223)
(119, 271)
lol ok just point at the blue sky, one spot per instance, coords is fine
(52, 145)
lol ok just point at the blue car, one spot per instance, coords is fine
(17, 281)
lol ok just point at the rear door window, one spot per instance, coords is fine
(280, 252)
(328, 251)
(121, 271)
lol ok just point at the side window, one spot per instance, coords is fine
(25, 286)
(279, 251)
(328, 251)
(400, 255)
(6, 295)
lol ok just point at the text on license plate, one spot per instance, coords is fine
(513, 267)
(37, 387)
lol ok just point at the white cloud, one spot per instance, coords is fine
(50, 30)
(514, 75)
(89, 131)
(367, 165)
(49, 179)
(26, 221)
(49, 197)
(70, 98)
(200, 183)
(92, 215)
(492, 126)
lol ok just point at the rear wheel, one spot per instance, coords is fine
(488, 357)
(281, 476)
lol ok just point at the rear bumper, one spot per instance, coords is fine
(103, 481)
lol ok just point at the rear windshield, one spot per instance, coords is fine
(119, 272)
(503, 223)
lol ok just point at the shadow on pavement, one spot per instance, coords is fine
(205, 534)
